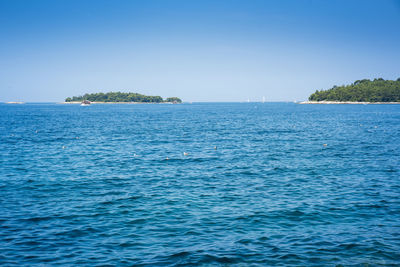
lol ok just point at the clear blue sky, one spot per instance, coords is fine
(197, 50)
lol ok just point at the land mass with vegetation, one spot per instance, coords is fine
(122, 97)
(377, 90)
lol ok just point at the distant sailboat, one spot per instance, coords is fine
(263, 99)
(248, 100)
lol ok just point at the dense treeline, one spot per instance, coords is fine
(122, 97)
(173, 100)
(378, 90)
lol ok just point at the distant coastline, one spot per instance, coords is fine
(102, 102)
(120, 97)
(377, 91)
(346, 102)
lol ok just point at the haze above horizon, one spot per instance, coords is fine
(196, 50)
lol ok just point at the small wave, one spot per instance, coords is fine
(182, 254)
(137, 221)
(217, 259)
(38, 219)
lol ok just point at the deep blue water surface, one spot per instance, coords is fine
(92, 186)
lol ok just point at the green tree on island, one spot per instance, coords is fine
(378, 90)
(122, 97)
(173, 100)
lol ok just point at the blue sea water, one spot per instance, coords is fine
(92, 185)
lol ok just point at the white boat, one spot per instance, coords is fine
(13, 102)
(85, 103)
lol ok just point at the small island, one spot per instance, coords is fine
(361, 91)
(119, 97)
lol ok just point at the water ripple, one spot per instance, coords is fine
(277, 185)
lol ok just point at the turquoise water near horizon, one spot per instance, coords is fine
(260, 184)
